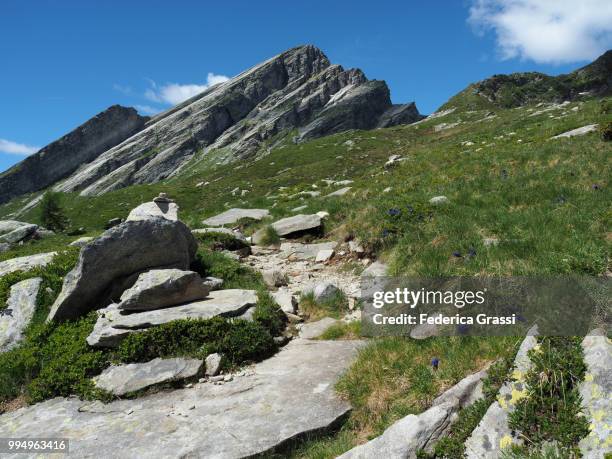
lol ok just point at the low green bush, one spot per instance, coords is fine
(605, 131)
(53, 360)
(238, 340)
(552, 410)
(270, 236)
(269, 315)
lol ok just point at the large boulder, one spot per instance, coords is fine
(111, 263)
(19, 310)
(160, 288)
(19, 233)
(123, 379)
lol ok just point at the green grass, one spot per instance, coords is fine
(392, 378)
(335, 306)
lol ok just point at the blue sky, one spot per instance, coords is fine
(64, 61)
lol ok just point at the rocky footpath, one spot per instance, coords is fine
(248, 415)
(61, 158)
(298, 89)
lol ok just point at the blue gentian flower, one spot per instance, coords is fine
(457, 254)
(394, 212)
(435, 362)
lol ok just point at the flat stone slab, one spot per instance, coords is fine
(161, 288)
(112, 326)
(288, 395)
(596, 392)
(579, 131)
(340, 192)
(233, 215)
(123, 379)
(25, 263)
(20, 308)
(297, 223)
(312, 330)
(297, 251)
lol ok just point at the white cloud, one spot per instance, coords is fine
(14, 148)
(148, 110)
(547, 31)
(127, 90)
(174, 93)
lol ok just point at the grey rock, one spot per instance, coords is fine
(324, 255)
(299, 208)
(123, 379)
(81, 242)
(19, 234)
(6, 226)
(112, 262)
(426, 330)
(285, 300)
(113, 222)
(213, 283)
(297, 251)
(297, 223)
(21, 305)
(466, 391)
(4, 247)
(356, 247)
(213, 364)
(376, 269)
(493, 433)
(62, 157)
(596, 393)
(306, 371)
(578, 131)
(437, 200)
(26, 263)
(274, 278)
(312, 330)
(408, 435)
(160, 288)
(112, 326)
(168, 210)
(237, 234)
(325, 291)
(340, 192)
(233, 215)
(400, 114)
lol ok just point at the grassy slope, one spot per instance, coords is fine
(535, 195)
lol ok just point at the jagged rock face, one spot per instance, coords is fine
(62, 157)
(298, 89)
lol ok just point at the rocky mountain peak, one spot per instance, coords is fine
(298, 89)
